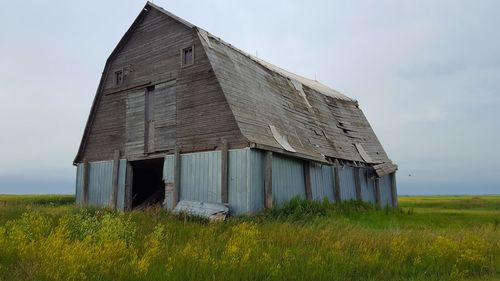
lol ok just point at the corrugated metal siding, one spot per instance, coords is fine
(239, 181)
(122, 175)
(385, 190)
(245, 181)
(100, 182)
(367, 184)
(79, 183)
(288, 178)
(321, 182)
(200, 177)
(256, 180)
(168, 168)
(347, 183)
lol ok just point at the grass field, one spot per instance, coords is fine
(428, 238)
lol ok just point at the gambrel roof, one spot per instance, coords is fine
(282, 111)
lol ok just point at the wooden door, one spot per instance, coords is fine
(134, 123)
(165, 116)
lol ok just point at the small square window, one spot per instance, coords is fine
(187, 56)
(118, 77)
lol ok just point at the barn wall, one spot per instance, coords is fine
(100, 178)
(322, 182)
(367, 182)
(288, 178)
(79, 183)
(347, 183)
(122, 176)
(385, 191)
(150, 56)
(100, 182)
(246, 185)
(200, 177)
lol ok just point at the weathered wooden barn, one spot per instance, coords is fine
(179, 114)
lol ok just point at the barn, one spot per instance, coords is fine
(179, 114)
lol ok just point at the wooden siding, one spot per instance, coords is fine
(187, 107)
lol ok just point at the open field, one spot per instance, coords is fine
(429, 238)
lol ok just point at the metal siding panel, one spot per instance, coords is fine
(321, 182)
(122, 176)
(385, 191)
(367, 185)
(79, 184)
(100, 182)
(168, 169)
(347, 183)
(238, 181)
(288, 178)
(200, 177)
(256, 180)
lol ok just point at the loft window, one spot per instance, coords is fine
(187, 56)
(118, 77)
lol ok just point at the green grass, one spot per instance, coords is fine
(429, 238)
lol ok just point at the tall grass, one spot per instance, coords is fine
(298, 241)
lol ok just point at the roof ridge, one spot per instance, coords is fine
(314, 84)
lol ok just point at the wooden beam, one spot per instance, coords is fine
(378, 201)
(114, 182)
(177, 176)
(268, 180)
(394, 191)
(129, 187)
(357, 183)
(86, 174)
(336, 179)
(224, 172)
(307, 179)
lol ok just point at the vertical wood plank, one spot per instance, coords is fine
(307, 179)
(394, 191)
(378, 200)
(129, 187)
(177, 176)
(224, 172)
(268, 180)
(336, 180)
(357, 183)
(86, 174)
(114, 182)
(147, 95)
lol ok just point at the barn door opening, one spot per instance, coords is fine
(147, 183)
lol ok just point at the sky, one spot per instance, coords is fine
(426, 75)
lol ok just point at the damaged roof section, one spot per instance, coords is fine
(304, 115)
(385, 169)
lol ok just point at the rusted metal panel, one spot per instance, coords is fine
(288, 178)
(200, 177)
(385, 191)
(322, 182)
(347, 183)
(367, 182)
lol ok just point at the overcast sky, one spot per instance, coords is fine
(426, 74)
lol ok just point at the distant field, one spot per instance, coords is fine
(430, 238)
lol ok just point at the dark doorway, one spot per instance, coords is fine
(147, 183)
